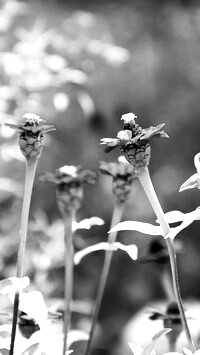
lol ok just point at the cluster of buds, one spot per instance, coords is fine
(123, 175)
(133, 140)
(31, 137)
(69, 180)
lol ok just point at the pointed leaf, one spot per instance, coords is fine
(87, 223)
(131, 250)
(197, 162)
(174, 216)
(141, 227)
(12, 284)
(136, 349)
(32, 303)
(159, 334)
(190, 183)
(189, 218)
(4, 351)
(187, 351)
(150, 348)
(96, 247)
(76, 335)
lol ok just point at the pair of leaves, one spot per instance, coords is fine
(171, 217)
(131, 250)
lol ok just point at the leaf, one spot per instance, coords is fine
(12, 284)
(189, 218)
(96, 247)
(190, 183)
(159, 334)
(187, 351)
(197, 162)
(76, 335)
(87, 223)
(4, 352)
(136, 349)
(174, 216)
(141, 227)
(131, 250)
(32, 303)
(150, 348)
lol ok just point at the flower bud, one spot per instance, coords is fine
(31, 135)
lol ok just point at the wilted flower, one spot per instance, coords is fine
(31, 134)
(123, 175)
(69, 180)
(194, 180)
(133, 140)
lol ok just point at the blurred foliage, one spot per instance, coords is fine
(81, 65)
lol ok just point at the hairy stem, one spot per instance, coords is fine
(116, 218)
(146, 183)
(29, 179)
(69, 274)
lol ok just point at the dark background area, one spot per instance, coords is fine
(81, 65)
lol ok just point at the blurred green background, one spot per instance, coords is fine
(81, 65)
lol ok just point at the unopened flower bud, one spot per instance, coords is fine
(31, 135)
(69, 180)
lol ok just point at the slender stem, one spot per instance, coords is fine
(69, 274)
(14, 322)
(146, 183)
(29, 179)
(167, 285)
(116, 218)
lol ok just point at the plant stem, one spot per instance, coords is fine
(29, 179)
(69, 273)
(116, 218)
(147, 185)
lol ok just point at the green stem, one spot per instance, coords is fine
(116, 218)
(29, 179)
(147, 185)
(167, 285)
(69, 274)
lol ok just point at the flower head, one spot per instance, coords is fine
(133, 140)
(194, 180)
(69, 180)
(31, 132)
(123, 175)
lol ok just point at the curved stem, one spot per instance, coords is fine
(116, 218)
(146, 183)
(69, 274)
(29, 179)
